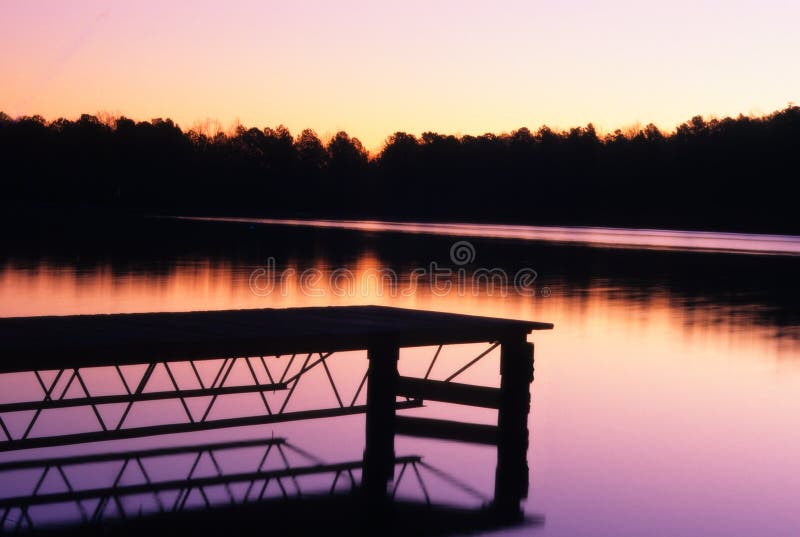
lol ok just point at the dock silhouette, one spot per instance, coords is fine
(278, 347)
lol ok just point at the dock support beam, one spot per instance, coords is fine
(380, 420)
(511, 478)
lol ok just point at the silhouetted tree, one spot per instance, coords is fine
(348, 170)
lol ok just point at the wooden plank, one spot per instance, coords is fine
(449, 392)
(175, 428)
(446, 430)
(28, 343)
(139, 397)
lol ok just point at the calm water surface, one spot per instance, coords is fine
(666, 400)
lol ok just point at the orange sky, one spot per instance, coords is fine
(373, 68)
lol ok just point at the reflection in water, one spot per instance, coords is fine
(600, 236)
(666, 398)
(244, 484)
(47, 289)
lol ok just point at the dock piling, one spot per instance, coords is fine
(379, 454)
(516, 376)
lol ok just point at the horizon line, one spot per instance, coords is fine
(204, 126)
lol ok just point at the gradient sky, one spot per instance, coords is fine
(372, 68)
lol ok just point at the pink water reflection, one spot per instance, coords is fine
(648, 419)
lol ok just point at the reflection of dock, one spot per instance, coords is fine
(278, 348)
(260, 484)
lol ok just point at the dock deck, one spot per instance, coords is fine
(28, 343)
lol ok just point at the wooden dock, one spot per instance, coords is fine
(66, 345)
(28, 343)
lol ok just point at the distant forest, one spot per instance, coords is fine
(733, 173)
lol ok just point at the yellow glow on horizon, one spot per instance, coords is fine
(372, 69)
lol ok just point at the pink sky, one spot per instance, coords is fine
(373, 68)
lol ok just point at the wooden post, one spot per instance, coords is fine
(511, 478)
(380, 420)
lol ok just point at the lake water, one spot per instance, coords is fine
(666, 399)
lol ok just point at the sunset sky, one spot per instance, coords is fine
(372, 68)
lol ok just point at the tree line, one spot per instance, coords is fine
(732, 173)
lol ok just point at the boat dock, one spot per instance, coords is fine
(278, 347)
